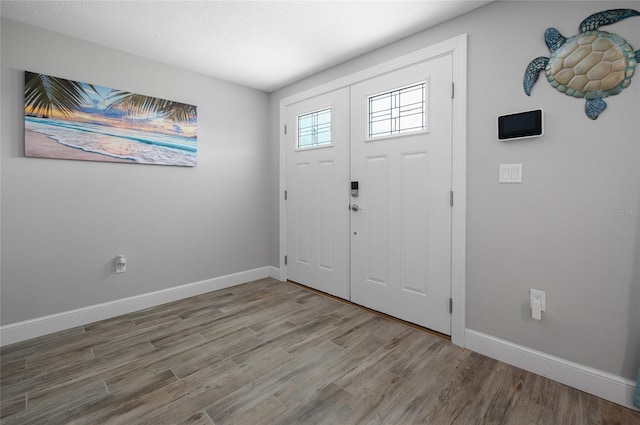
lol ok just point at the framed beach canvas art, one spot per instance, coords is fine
(68, 119)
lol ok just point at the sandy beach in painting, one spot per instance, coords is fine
(42, 146)
(76, 140)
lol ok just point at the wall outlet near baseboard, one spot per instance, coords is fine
(537, 303)
(120, 264)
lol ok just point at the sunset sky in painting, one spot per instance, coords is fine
(96, 111)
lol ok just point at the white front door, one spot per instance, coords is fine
(401, 156)
(318, 192)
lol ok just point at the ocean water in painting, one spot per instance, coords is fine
(140, 146)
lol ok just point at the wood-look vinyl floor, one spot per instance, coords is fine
(268, 352)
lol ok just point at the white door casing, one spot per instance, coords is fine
(457, 47)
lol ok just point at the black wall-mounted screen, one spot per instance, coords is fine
(520, 125)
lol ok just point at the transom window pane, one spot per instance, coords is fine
(398, 111)
(314, 129)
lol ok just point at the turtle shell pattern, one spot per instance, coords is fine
(593, 64)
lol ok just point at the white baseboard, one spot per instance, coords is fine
(274, 273)
(28, 329)
(605, 385)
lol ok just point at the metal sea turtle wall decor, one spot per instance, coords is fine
(592, 64)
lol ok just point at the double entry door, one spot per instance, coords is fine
(368, 193)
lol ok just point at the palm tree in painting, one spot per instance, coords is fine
(44, 94)
(134, 104)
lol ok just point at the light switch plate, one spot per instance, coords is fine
(510, 173)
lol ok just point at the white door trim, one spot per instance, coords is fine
(457, 46)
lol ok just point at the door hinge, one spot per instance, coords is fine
(285, 260)
(285, 195)
(450, 305)
(285, 129)
(451, 198)
(453, 90)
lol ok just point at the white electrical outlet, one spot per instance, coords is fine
(120, 264)
(537, 303)
(537, 295)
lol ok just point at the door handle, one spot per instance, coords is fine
(355, 208)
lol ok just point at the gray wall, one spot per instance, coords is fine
(571, 229)
(64, 221)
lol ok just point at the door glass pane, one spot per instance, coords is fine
(398, 111)
(314, 129)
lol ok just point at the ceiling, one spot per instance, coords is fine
(260, 44)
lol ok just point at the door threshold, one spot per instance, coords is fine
(379, 313)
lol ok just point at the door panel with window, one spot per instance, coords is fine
(318, 193)
(401, 156)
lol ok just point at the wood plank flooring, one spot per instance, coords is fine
(268, 352)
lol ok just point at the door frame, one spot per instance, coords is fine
(457, 47)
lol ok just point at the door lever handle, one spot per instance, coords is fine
(355, 208)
